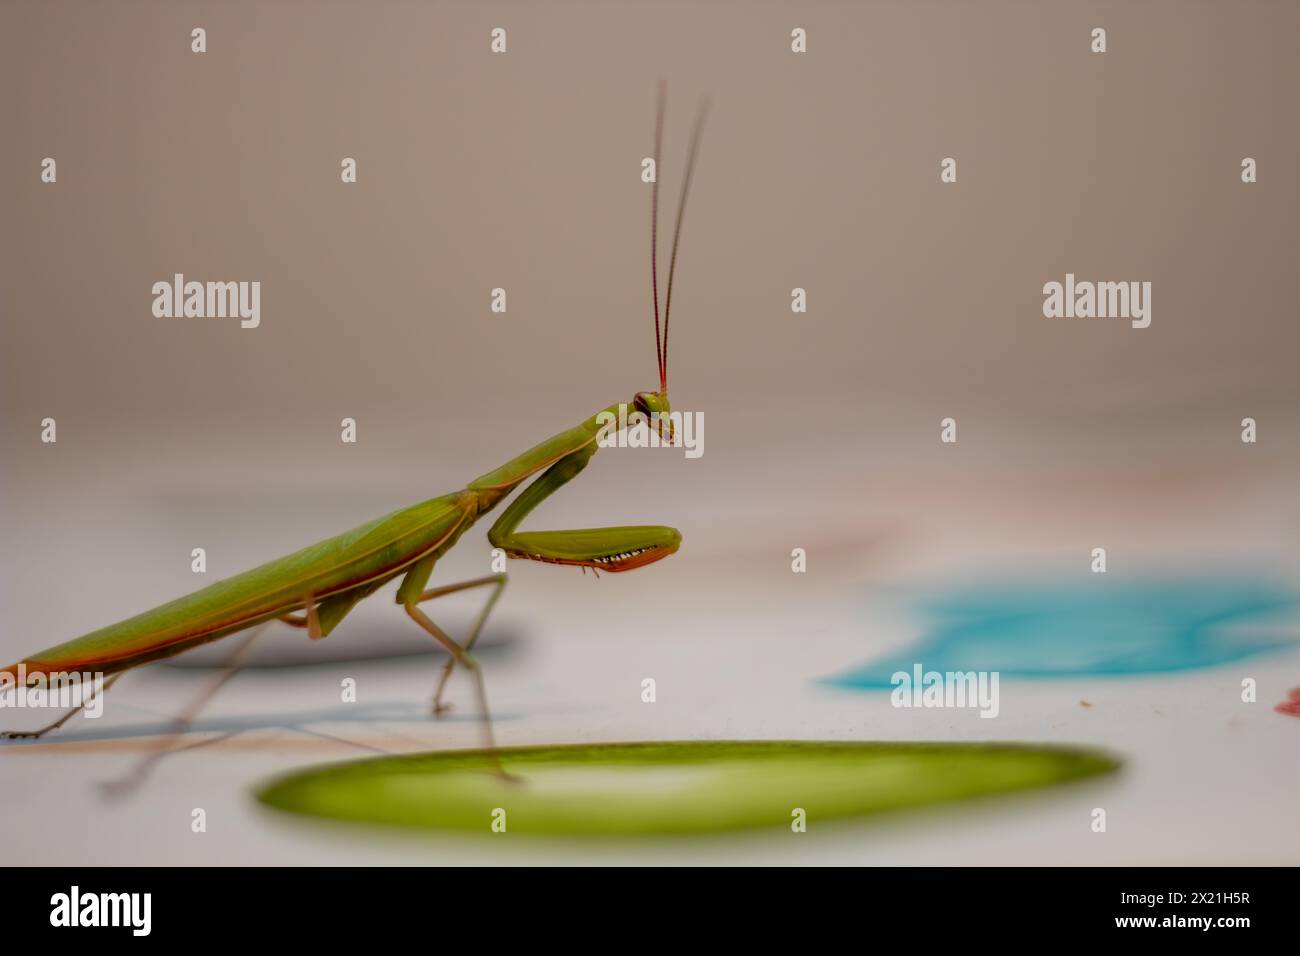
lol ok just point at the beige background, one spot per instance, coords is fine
(522, 171)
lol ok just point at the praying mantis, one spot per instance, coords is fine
(315, 588)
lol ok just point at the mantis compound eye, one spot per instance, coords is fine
(649, 403)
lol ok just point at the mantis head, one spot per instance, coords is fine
(654, 406)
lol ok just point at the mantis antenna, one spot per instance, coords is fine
(654, 232)
(661, 344)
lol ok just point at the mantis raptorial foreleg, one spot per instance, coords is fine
(590, 547)
(16, 734)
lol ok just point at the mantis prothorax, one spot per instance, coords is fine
(316, 587)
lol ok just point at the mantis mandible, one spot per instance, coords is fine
(316, 587)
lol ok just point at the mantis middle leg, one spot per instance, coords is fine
(498, 584)
(459, 653)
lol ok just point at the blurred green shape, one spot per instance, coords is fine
(670, 787)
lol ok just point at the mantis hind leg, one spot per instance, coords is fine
(35, 734)
(141, 770)
(320, 619)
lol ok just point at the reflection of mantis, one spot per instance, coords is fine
(326, 580)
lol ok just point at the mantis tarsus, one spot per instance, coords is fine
(316, 587)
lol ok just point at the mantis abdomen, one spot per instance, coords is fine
(363, 558)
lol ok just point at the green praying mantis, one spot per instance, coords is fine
(316, 587)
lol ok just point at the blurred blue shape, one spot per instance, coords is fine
(1101, 628)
